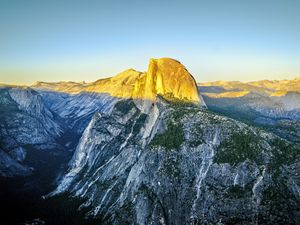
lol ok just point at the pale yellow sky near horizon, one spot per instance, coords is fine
(89, 69)
(24, 83)
(214, 40)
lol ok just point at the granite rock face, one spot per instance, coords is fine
(150, 153)
(44, 120)
(181, 164)
(76, 110)
(25, 121)
(169, 77)
(166, 77)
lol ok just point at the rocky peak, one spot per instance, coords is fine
(165, 77)
(168, 77)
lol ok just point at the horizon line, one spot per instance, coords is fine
(86, 82)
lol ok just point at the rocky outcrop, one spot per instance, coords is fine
(24, 121)
(182, 165)
(76, 110)
(167, 163)
(165, 77)
(11, 166)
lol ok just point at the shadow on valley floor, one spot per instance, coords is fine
(282, 127)
(21, 197)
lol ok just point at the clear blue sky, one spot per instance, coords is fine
(87, 40)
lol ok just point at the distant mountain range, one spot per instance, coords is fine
(164, 76)
(269, 87)
(156, 148)
(274, 105)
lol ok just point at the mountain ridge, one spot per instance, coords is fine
(190, 161)
(165, 76)
(174, 163)
(269, 87)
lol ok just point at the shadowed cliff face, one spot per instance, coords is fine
(166, 77)
(179, 164)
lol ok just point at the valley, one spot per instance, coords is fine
(150, 148)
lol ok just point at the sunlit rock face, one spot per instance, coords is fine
(165, 77)
(168, 77)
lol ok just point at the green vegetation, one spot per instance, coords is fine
(171, 138)
(170, 98)
(153, 198)
(284, 153)
(63, 209)
(239, 192)
(237, 148)
(105, 184)
(170, 168)
(145, 190)
(284, 128)
(279, 204)
(181, 108)
(247, 117)
(197, 136)
(139, 123)
(179, 112)
(124, 106)
(124, 214)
